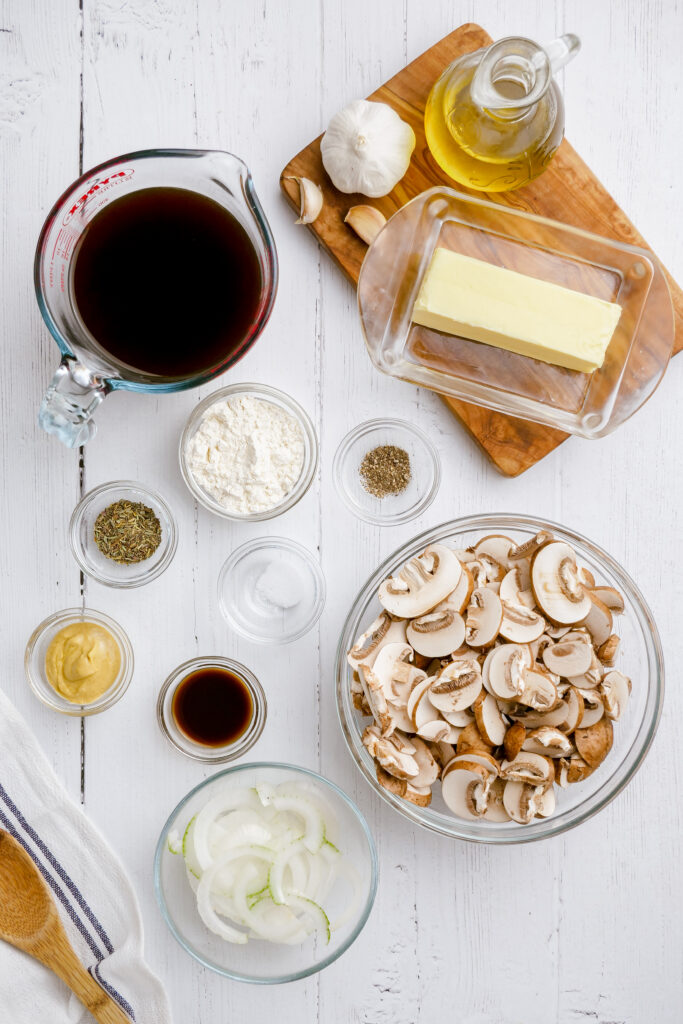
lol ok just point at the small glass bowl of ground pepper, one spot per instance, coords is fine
(386, 471)
(123, 534)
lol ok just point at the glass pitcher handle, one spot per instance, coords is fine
(561, 50)
(70, 401)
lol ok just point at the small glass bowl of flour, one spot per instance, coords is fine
(248, 452)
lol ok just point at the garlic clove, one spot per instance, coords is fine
(366, 221)
(310, 199)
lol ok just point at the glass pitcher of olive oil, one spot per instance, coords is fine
(495, 117)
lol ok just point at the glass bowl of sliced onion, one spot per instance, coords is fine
(265, 873)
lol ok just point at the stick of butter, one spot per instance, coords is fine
(476, 300)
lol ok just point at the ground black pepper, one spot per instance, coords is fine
(385, 470)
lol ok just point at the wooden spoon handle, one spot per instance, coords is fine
(63, 961)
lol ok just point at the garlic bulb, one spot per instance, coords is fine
(367, 148)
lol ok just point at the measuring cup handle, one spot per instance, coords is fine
(69, 403)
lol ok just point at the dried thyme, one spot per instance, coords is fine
(127, 532)
(385, 470)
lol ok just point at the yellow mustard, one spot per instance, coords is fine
(82, 662)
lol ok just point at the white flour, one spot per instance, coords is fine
(247, 454)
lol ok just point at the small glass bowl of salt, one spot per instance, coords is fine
(271, 590)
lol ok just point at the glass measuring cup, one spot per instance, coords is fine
(495, 117)
(87, 372)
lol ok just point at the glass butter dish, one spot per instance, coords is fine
(588, 404)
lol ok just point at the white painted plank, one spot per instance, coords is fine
(39, 117)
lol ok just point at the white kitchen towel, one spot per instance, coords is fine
(96, 902)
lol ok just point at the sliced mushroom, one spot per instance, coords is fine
(536, 769)
(513, 740)
(557, 632)
(483, 757)
(540, 690)
(478, 573)
(358, 697)
(394, 753)
(471, 740)
(520, 801)
(503, 671)
(529, 548)
(548, 741)
(610, 597)
(429, 769)
(459, 598)
(590, 679)
(390, 782)
(598, 621)
(387, 686)
(537, 647)
(484, 616)
(460, 778)
(573, 770)
(574, 704)
(616, 690)
(520, 624)
(400, 787)
(438, 730)
(423, 712)
(515, 587)
(442, 753)
(421, 797)
(384, 630)
(545, 802)
(495, 546)
(416, 694)
(458, 718)
(495, 807)
(490, 722)
(595, 742)
(555, 581)
(437, 633)
(593, 707)
(421, 583)
(456, 687)
(609, 650)
(568, 658)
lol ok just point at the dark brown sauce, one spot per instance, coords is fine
(212, 706)
(167, 281)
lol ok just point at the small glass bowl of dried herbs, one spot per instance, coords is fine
(123, 534)
(386, 471)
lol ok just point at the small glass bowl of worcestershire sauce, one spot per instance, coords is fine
(212, 709)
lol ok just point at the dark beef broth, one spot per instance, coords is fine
(167, 281)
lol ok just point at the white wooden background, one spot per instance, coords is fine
(585, 928)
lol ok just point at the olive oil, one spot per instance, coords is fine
(495, 118)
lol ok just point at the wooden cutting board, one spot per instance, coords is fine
(567, 191)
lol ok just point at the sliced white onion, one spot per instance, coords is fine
(262, 864)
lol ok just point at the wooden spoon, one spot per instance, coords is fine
(29, 921)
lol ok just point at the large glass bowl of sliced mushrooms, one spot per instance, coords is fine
(499, 679)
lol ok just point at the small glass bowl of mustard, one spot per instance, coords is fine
(83, 652)
(212, 709)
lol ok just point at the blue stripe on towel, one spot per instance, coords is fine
(56, 888)
(61, 895)
(59, 869)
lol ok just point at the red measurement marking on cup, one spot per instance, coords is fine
(97, 185)
(65, 242)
